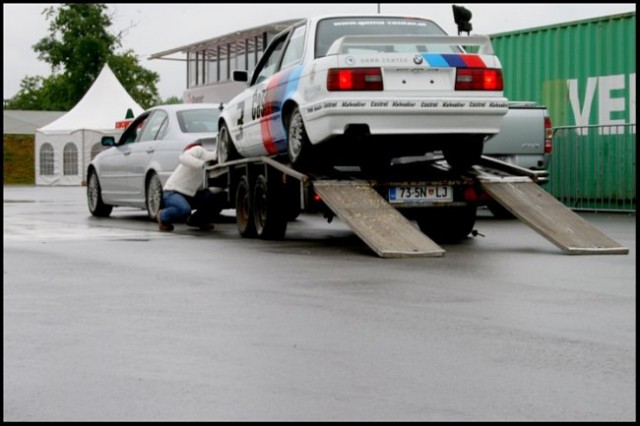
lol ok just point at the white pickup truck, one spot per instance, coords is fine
(525, 140)
(525, 137)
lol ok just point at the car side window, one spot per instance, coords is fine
(295, 48)
(268, 65)
(153, 126)
(133, 130)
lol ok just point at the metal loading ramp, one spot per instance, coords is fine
(385, 230)
(549, 217)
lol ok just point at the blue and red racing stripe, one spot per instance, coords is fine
(453, 60)
(279, 88)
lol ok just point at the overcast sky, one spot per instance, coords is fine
(152, 28)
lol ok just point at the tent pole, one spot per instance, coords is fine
(83, 182)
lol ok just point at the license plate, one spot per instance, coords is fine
(404, 194)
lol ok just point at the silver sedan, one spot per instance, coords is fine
(133, 170)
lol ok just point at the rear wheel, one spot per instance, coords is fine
(375, 164)
(244, 209)
(226, 151)
(94, 198)
(298, 146)
(464, 155)
(448, 224)
(269, 209)
(153, 195)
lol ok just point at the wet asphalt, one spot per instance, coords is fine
(112, 320)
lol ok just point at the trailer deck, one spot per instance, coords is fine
(390, 234)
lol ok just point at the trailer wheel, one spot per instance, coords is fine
(292, 201)
(375, 164)
(244, 209)
(464, 155)
(447, 224)
(269, 209)
(225, 149)
(298, 145)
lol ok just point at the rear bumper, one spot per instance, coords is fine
(328, 119)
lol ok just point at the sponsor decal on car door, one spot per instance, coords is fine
(266, 110)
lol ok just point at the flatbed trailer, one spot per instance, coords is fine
(267, 193)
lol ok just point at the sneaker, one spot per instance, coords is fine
(199, 225)
(163, 226)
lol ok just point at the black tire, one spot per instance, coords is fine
(244, 209)
(292, 201)
(375, 165)
(94, 197)
(499, 211)
(465, 154)
(298, 144)
(448, 224)
(226, 150)
(269, 209)
(153, 195)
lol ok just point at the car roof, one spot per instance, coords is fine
(183, 107)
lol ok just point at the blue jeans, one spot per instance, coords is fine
(177, 207)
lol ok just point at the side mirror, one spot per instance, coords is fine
(241, 76)
(108, 141)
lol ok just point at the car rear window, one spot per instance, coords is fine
(331, 29)
(199, 120)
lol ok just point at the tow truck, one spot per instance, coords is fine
(406, 211)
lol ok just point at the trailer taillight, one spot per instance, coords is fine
(354, 79)
(470, 194)
(478, 79)
(548, 136)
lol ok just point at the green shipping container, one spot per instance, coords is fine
(585, 73)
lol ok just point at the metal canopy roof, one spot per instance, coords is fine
(275, 27)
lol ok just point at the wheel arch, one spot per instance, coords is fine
(152, 171)
(91, 168)
(287, 109)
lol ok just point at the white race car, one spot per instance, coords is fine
(364, 90)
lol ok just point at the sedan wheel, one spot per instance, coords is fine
(94, 198)
(154, 195)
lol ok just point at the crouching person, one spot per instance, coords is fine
(184, 198)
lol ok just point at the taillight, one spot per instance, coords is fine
(548, 136)
(354, 79)
(478, 79)
(470, 194)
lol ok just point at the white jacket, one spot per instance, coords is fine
(188, 177)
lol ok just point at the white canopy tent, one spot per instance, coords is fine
(65, 147)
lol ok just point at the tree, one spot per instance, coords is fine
(77, 47)
(172, 100)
